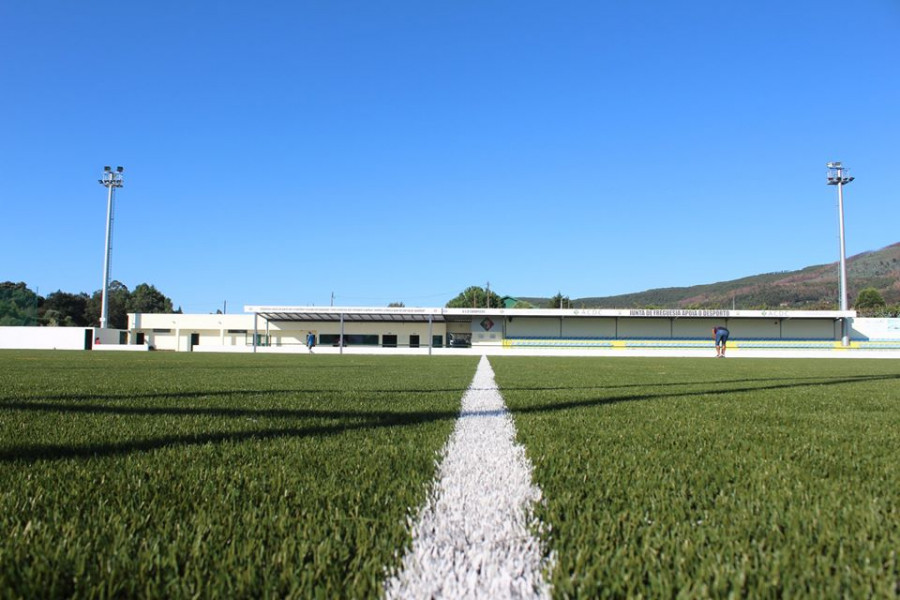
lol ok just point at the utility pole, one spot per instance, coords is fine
(111, 180)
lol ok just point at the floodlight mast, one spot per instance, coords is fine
(837, 175)
(111, 180)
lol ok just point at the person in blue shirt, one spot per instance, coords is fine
(720, 334)
(310, 340)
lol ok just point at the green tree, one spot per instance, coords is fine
(118, 303)
(62, 309)
(147, 299)
(559, 301)
(18, 304)
(869, 302)
(475, 297)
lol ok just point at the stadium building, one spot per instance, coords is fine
(427, 330)
(409, 330)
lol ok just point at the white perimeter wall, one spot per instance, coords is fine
(55, 338)
(42, 338)
(875, 329)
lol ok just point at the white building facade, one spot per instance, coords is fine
(287, 328)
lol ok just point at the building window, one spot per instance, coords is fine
(350, 339)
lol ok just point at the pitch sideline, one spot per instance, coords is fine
(473, 538)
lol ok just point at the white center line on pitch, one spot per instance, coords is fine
(473, 538)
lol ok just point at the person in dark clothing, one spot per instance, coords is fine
(720, 334)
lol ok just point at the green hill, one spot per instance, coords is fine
(814, 287)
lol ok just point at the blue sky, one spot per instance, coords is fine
(279, 152)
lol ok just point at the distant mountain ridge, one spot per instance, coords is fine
(811, 288)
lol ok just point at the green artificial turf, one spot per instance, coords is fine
(714, 478)
(175, 475)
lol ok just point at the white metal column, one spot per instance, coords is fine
(430, 333)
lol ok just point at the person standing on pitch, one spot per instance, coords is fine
(720, 334)
(310, 341)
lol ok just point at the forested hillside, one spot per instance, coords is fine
(814, 287)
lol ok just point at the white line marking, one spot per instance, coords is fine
(474, 537)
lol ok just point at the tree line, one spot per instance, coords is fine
(480, 297)
(19, 305)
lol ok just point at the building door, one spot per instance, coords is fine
(413, 341)
(195, 340)
(389, 341)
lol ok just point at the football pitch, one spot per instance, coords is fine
(179, 475)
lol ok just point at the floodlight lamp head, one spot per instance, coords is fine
(833, 165)
(120, 169)
(107, 168)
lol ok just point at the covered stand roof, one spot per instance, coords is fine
(349, 313)
(347, 316)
